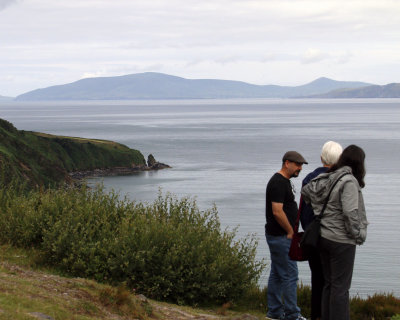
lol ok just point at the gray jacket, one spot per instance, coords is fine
(344, 219)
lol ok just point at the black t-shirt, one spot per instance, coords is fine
(279, 189)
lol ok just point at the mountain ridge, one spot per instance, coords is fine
(152, 85)
(391, 90)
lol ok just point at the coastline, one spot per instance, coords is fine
(116, 171)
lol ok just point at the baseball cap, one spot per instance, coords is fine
(294, 157)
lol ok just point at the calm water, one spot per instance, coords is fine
(224, 152)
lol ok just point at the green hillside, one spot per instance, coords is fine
(43, 159)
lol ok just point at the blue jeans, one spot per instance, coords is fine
(282, 282)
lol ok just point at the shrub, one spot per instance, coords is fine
(378, 307)
(256, 299)
(381, 306)
(304, 299)
(168, 250)
(8, 126)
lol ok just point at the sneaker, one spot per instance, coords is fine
(300, 317)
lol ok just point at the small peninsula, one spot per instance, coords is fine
(50, 160)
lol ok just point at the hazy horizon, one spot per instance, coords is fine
(286, 43)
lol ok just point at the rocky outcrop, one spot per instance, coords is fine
(152, 164)
(151, 160)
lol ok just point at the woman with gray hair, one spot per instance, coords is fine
(330, 154)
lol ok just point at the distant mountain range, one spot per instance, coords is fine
(391, 90)
(152, 85)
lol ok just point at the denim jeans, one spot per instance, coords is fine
(282, 282)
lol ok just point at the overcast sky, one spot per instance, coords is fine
(284, 42)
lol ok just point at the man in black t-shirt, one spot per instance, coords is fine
(281, 212)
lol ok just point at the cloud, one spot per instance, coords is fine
(336, 57)
(6, 3)
(263, 41)
(344, 57)
(93, 74)
(125, 68)
(313, 56)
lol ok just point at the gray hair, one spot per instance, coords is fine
(330, 153)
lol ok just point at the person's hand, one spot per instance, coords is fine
(290, 235)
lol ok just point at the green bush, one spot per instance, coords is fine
(255, 299)
(7, 125)
(168, 250)
(377, 307)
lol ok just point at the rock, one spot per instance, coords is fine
(159, 166)
(141, 298)
(151, 161)
(153, 164)
(41, 315)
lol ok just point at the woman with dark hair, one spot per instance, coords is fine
(343, 226)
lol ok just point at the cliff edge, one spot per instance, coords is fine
(49, 160)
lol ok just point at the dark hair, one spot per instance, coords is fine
(353, 156)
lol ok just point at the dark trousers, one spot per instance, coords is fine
(337, 266)
(317, 284)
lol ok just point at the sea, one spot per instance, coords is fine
(223, 152)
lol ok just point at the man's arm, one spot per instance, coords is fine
(280, 217)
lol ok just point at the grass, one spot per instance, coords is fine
(26, 289)
(44, 159)
(379, 306)
(101, 142)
